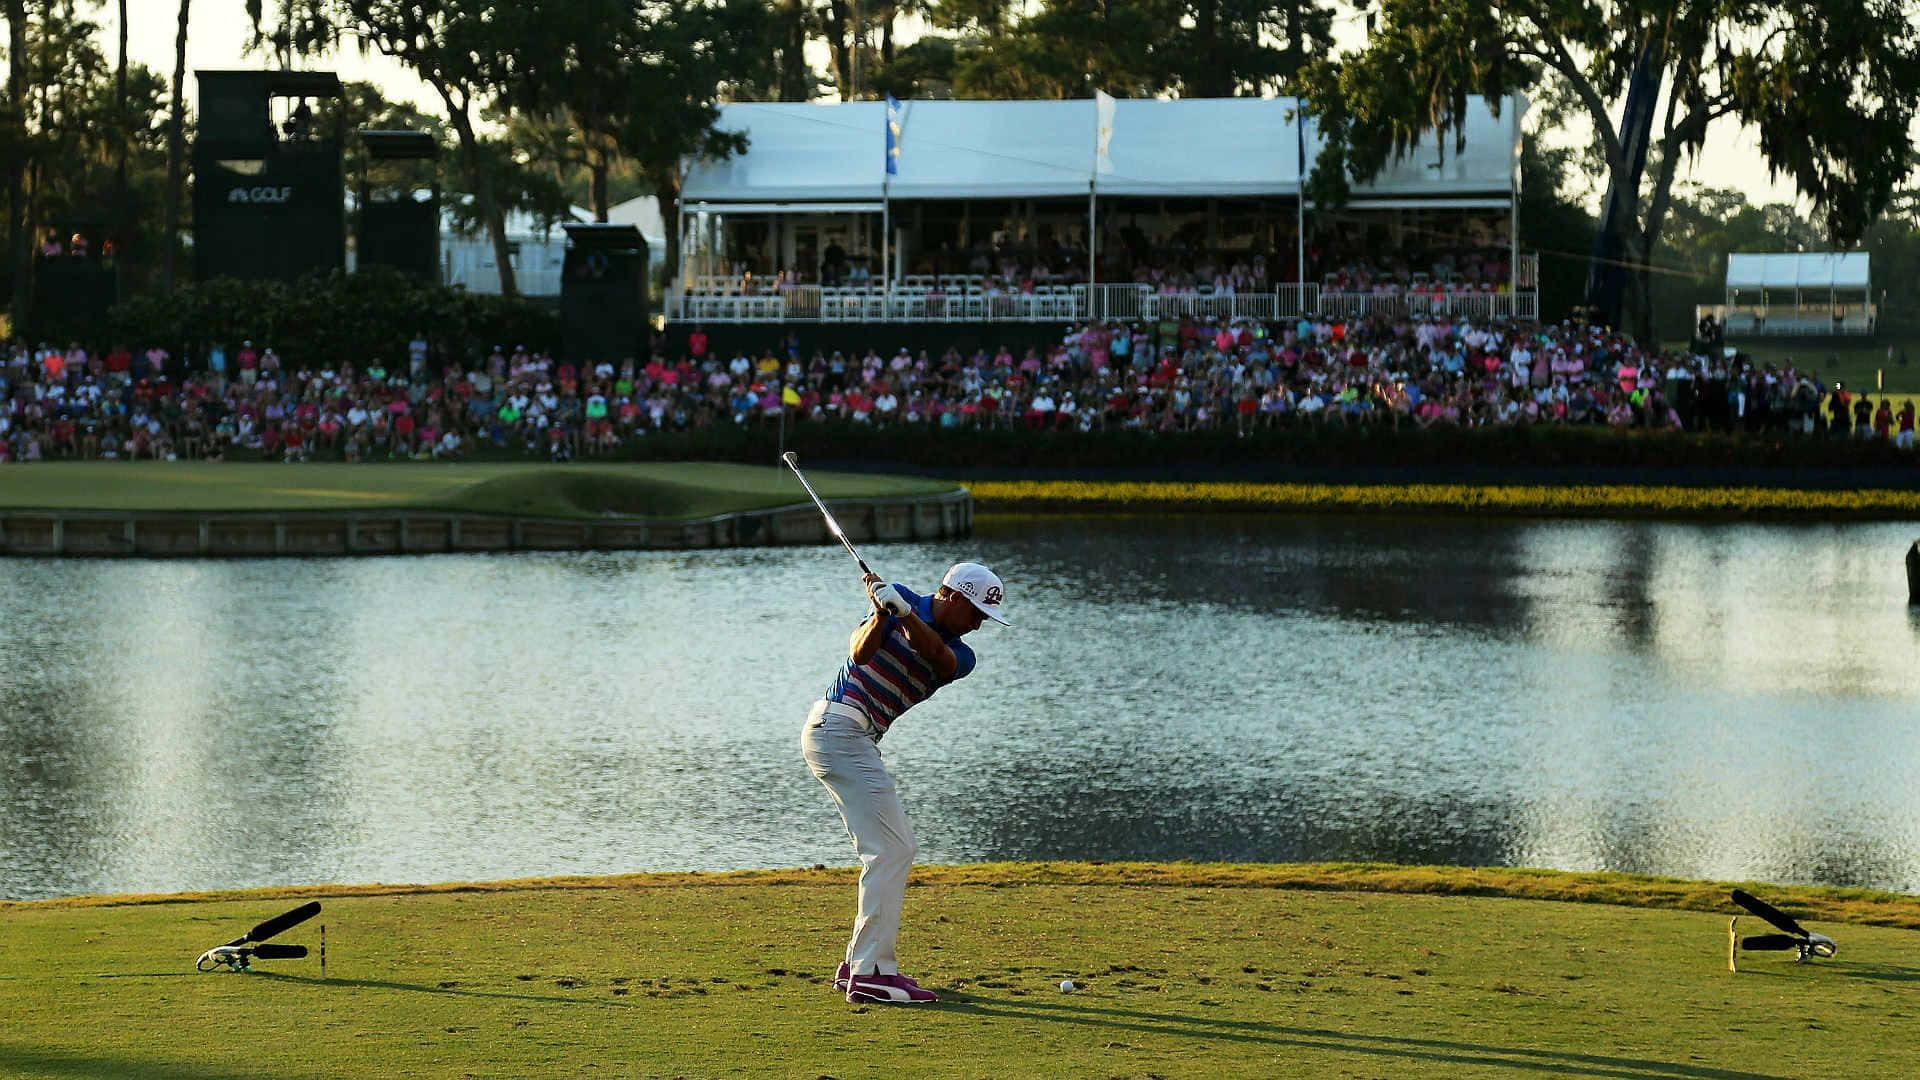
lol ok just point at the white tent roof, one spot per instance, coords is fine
(643, 213)
(800, 153)
(1202, 146)
(796, 152)
(983, 149)
(1799, 270)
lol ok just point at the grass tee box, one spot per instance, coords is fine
(1184, 970)
(666, 492)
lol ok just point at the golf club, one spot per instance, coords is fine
(238, 954)
(793, 462)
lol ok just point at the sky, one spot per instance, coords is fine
(218, 33)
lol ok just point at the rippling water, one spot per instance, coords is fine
(1706, 701)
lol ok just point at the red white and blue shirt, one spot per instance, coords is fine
(897, 678)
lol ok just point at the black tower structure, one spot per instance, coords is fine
(400, 204)
(269, 197)
(603, 293)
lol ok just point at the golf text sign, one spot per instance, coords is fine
(257, 196)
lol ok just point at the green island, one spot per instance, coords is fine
(658, 491)
(1182, 969)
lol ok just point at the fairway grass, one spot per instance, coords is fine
(673, 491)
(1188, 970)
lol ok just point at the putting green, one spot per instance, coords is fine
(662, 491)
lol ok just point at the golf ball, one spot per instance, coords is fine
(1066, 986)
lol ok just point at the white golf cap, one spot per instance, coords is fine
(979, 585)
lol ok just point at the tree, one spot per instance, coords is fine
(176, 152)
(13, 141)
(1065, 49)
(1833, 87)
(677, 61)
(796, 81)
(1191, 48)
(465, 50)
(120, 114)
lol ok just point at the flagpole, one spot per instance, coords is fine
(1300, 207)
(1093, 226)
(1093, 241)
(894, 118)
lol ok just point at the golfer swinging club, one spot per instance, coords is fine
(908, 648)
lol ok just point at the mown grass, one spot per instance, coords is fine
(1188, 970)
(662, 491)
(1542, 499)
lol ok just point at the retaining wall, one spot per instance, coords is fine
(75, 533)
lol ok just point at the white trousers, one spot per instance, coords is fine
(847, 760)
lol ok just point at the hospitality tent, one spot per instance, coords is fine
(836, 153)
(1813, 292)
(831, 158)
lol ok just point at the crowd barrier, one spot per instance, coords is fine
(1075, 303)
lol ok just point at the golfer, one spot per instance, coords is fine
(908, 648)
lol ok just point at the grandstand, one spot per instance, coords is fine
(1796, 294)
(1008, 212)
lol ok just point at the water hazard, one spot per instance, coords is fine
(1723, 701)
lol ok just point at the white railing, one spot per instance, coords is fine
(1076, 303)
(1473, 305)
(1799, 322)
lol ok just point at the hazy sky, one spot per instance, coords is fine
(218, 34)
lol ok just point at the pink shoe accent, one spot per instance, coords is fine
(888, 990)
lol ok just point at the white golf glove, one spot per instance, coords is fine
(891, 601)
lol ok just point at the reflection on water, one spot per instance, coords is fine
(1703, 701)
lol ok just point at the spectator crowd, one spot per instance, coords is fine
(1193, 375)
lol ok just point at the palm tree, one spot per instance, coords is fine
(123, 134)
(176, 149)
(16, 238)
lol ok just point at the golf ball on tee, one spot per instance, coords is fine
(1066, 986)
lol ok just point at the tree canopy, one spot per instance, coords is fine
(1832, 87)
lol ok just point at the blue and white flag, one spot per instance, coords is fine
(893, 136)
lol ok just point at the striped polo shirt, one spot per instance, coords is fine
(896, 679)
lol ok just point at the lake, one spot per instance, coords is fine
(1730, 701)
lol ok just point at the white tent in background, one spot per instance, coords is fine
(1812, 292)
(538, 251)
(643, 213)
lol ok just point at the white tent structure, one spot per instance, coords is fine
(815, 180)
(538, 252)
(1799, 293)
(808, 153)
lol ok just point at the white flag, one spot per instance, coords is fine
(1103, 105)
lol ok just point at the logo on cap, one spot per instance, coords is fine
(993, 596)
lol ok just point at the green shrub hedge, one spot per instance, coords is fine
(331, 318)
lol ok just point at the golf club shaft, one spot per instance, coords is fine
(278, 923)
(833, 526)
(1768, 912)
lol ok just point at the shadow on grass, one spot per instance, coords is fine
(23, 1060)
(1437, 1051)
(1881, 972)
(450, 991)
